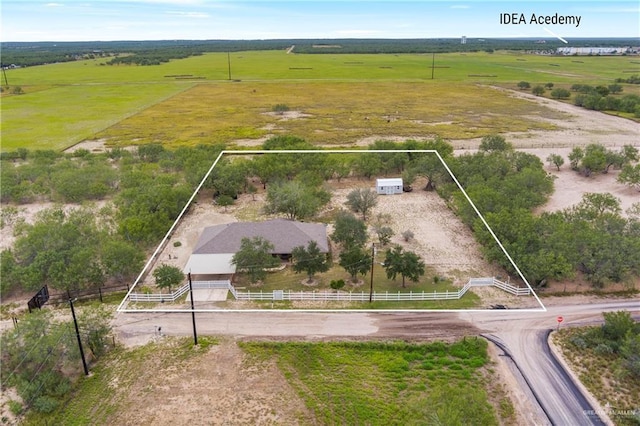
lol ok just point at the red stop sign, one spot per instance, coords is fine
(560, 319)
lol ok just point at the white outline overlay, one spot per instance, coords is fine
(316, 151)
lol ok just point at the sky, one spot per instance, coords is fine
(106, 20)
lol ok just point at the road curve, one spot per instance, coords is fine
(526, 338)
(524, 334)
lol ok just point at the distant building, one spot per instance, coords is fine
(592, 50)
(389, 186)
(463, 40)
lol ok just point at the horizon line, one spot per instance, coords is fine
(635, 37)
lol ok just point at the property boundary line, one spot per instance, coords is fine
(152, 259)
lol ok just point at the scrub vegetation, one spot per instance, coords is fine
(144, 192)
(592, 239)
(613, 351)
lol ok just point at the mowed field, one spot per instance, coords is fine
(343, 98)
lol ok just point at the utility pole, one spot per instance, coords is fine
(373, 262)
(433, 63)
(75, 322)
(229, 64)
(193, 313)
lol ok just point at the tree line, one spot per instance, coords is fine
(86, 246)
(152, 52)
(599, 98)
(592, 240)
(144, 191)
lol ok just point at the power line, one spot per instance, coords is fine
(35, 394)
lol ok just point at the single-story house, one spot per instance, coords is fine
(389, 186)
(217, 244)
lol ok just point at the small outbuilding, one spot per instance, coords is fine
(389, 186)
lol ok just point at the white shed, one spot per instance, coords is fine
(389, 186)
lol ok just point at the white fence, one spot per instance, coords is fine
(172, 297)
(344, 296)
(517, 291)
(279, 295)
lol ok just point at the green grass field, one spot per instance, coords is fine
(348, 97)
(61, 116)
(377, 383)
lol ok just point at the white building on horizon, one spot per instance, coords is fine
(592, 50)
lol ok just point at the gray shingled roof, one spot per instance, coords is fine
(283, 234)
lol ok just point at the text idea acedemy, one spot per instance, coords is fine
(533, 19)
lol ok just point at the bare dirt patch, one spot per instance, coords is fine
(95, 146)
(578, 127)
(287, 115)
(570, 186)
(440, 238)
(220, 387)
(253, 142)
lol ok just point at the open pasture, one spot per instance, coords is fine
(332, 113)
(348, 97)
(278, 65)
(60, 116)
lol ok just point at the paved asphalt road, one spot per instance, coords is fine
(523, 335)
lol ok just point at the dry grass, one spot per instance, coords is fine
(338, 113)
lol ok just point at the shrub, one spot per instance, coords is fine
(560, 93)
(177, 243)
(45, 404)
(336, 284)
(523, 85)
(614, 88)
(407, 235)
(280, 108)
(168, 276)
(578, 342)
(538, 90)
(224, 201)
(603, 349)
(15, 407)
(384, 234)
